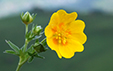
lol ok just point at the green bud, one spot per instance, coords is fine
(27, 18)
(37, 30)
(40, 48)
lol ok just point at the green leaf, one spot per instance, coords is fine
(10, 52)
(38, 56)
(37, 41)
(44, 43)
(30, 54)
(30, 59)
(30, 49)
(28, 34)
(13, 46)
(21, 53)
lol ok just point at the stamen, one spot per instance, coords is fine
(59, 38)
(56, 32)
(64, 41)
(59, 41)
(59, 34)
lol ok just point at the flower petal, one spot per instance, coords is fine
(66, 52)
(76, 26)
(53, 46)
(58, 53)
(80, 37)
(65, 17)
(75, 45)
(54, 20)
(48, 32)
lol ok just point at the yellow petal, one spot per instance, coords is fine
(58, 53)
(76, 26)
(65, 17)
(54, 20)
(80, 37)
(75, 45)
(48, 32)
(66, 52)
(52, 26)
(53, 46)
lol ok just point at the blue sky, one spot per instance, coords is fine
(8, 7)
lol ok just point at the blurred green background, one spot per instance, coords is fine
(97, 56)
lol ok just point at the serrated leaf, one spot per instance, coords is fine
(13, 46)
(10, 52)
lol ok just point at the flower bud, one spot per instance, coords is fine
(37, 30)
(40, 48)
(27, 18)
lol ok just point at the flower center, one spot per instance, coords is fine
(59, 39)
(60, 34)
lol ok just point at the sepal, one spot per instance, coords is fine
(33, 55)
(30, 59)
(40, 48)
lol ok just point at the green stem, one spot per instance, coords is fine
(43, 40)
(26, 29)
(24, 50)
(25, 46)
(26, 41)
(21, 62)
(19, 65)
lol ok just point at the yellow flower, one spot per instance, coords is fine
(65, 34)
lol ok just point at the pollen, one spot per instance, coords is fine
(59, 34)
(64, 41)
(60, 39)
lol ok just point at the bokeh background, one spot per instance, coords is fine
(97, 14)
